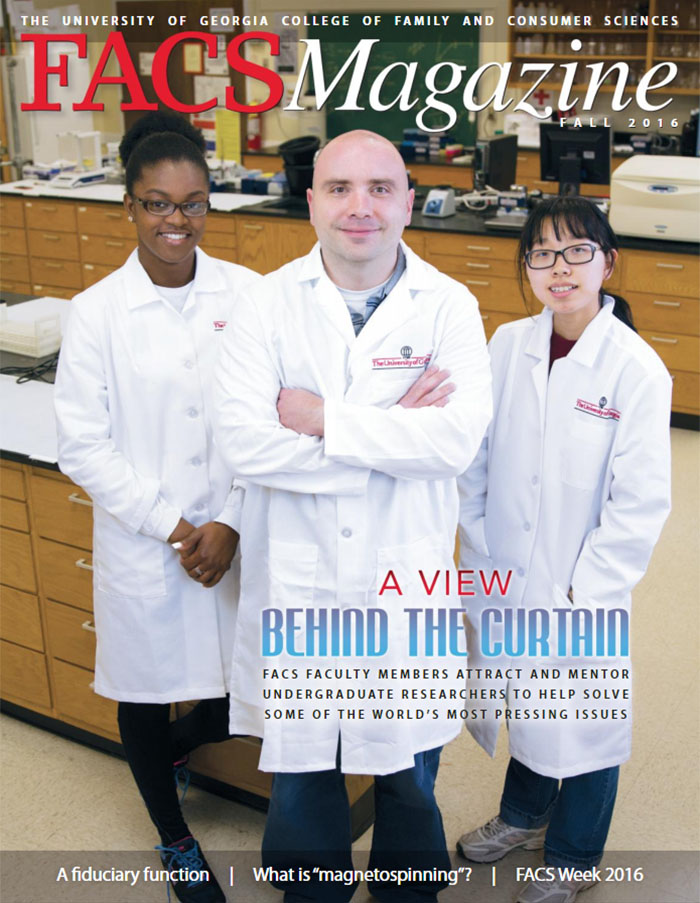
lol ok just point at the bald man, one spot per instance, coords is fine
(353, 390)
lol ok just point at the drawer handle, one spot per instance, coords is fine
(53, 266)
(479, 266)
(49, 209)
(112, 215)
(476, 282)
(88, 266)
(114, 244)
(50, 237)
(666, 303)
(658, 338)
(484, 316)
(479, 247)
(89, 626)
(671, 266)
(82, 563)
(251, 226)
(75, 498)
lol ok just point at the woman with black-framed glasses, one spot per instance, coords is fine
(133, 406)
(566, 499)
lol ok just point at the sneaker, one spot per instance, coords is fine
(182, 777)
(185, 854)
(496, 838)
(556, 891)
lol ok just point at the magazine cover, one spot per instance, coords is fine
(453, 654)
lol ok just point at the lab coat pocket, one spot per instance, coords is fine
(127, 564)
(292, 573)
(420, 570)
(584, 454)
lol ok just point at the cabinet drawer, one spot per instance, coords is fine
(61, 215)
(13, 241)
(61, 273)
(59, 245)
(492, 319)
(63, 511)
(13, 514)
(55, 291)
(475, 266)
(93, 272)
(24, 676)
(14, 268)
(218, 241)
(20, 621)
(668, 274)
(17, 560)
(221, 224)
(12, 211)
(663, 312)
(10, 285)
(686, 392)
(105, 250)
(494, 293)
(66, 573)
(71, 634)
(12, 481)
(104, 219)
(476, 246)
(75, 699)
(678, 352)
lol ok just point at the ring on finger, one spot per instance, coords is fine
(198, 572)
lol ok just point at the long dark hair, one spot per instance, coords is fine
(160, 136)
(580, 218)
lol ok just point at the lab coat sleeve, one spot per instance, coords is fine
(233, 507)
(428, 443)
(615, 554)
(86, 452)
(249, 435)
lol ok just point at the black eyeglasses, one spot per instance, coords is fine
(543, 259)
(165, 208)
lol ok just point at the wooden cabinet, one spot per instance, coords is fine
(265, 244)
(662, 290)
(14, 259)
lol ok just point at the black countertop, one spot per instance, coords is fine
(462, 223)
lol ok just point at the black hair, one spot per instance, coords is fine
(160, 136)
(581, 218)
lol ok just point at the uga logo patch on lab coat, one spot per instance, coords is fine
(597, 409)
(405, 360)
(219, 325)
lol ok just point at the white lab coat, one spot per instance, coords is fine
(566, 499)
(133, 406)
(325, 519)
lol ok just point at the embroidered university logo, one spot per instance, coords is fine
(401, 363)
(597, 410)
(219, 325)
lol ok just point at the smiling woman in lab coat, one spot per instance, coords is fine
(134, 421)
(569, 492)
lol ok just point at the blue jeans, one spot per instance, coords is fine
(578, 814)
(308, 826)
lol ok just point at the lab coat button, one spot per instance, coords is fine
(526, 526)
(346, 532)
(192, 413)
(535, 480)
(188, 365)
(196, 462)
(199, 507)
(520, 572)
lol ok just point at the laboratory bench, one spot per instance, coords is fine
(57, 242)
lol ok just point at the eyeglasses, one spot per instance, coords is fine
(165, 208)
(542, 259)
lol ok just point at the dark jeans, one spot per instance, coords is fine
(578, 813)
(308, 826)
